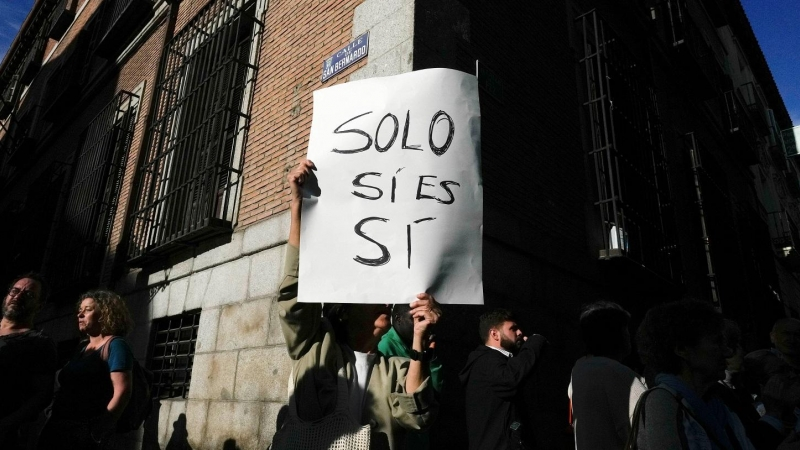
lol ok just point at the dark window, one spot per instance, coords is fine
(633, 198)
(171, 355)
(91, 202)
(190, 179)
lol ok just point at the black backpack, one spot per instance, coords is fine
(140, 403)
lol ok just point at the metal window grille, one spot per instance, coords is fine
(171, 354)
(784, 232)
(22, 134)
(91, 203)
(64, 86)
(190, 179)
(117, 20)
(628, 153)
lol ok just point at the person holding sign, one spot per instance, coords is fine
(391, 395)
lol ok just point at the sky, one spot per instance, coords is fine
(12, 14)
(776, 24)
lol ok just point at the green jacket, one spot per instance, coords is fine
(392, 345)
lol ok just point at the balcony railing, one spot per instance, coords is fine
(9, 97)
(33, 60)
(753, 99)
(790, 175)
(119, 19)
(777, 150)
(635, 210)
(61, 19)
(701, 61)
(63, 87)
(742, 135)
(716, 12)
(785, 238)
(21, 140)
(791, 136)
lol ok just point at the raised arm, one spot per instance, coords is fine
(426, 312)
(296, 178)
(509, 375)
(299, 321)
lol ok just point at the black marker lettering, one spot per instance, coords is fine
(444, 185)
(420, 195)
(439, 151)
(338, 130)
(405, 135)
(394, 182)
(394, 133)
(385, 256)
(408, 236)
(357, 183)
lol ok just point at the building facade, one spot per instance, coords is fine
(634, 151)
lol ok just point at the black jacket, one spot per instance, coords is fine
(492, 382)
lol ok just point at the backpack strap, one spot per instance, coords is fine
(107, 348)
(637, 414)
(639, 411)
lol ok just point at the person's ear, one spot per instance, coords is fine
(494, 335)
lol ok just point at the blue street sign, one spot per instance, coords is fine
(346, 57)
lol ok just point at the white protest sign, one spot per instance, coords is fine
(399, 204)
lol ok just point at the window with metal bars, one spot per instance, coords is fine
(171, 354)
(190, 179)
(633, 198)
(91, 202)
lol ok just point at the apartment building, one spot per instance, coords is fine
(636, 151)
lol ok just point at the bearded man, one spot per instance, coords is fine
(27, 361)
(493, 376)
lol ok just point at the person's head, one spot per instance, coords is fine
(102, 312)
(684, 338)
(733, 339)
(785, 336)
(403, 322)
(24, 297)
(354, 322)
(497, 328)
(604, 328)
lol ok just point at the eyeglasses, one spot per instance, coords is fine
(19, 293)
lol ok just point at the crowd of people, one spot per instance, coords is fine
(83, 400)
(704, 394)
(365, 376)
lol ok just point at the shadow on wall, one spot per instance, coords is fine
(179, 440)
(180, 436)
(229, 444)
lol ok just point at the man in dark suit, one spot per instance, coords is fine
(493, 376)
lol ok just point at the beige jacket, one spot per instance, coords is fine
(310, 340)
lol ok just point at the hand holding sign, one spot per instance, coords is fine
(297, 177)
(399, 206)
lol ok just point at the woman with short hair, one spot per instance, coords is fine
(95, 386)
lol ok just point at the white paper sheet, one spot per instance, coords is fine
(414, 193)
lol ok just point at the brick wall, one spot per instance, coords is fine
(298, 37)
